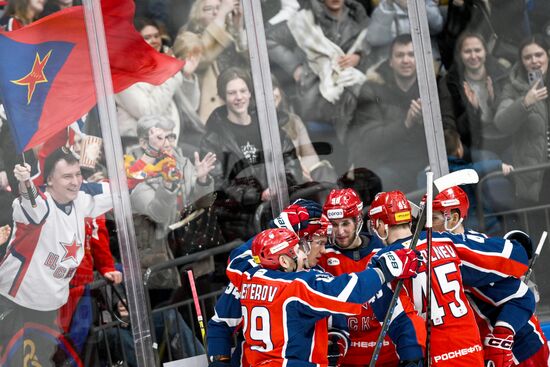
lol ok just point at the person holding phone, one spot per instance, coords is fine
(523, 112)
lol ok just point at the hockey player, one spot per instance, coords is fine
(47, 244)
(455, 339)
(305, 218)
(504, 309)
(349, 251)
(285, 309)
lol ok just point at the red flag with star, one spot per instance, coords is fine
(46, 78)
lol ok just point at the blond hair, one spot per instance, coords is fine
(187, 44)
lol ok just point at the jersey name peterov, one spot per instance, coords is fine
(258, 292)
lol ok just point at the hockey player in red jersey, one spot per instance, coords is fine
(504, 310)
(284, 309)
(350, 250)
(455, 339)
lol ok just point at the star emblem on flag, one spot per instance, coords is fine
(71, 249)
(35, 76)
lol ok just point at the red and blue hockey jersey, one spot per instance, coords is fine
(511, 304)
(406, 329)
(458, 261)
(284, 314)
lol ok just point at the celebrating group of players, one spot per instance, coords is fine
(312, 290)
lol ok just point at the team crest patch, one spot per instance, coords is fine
(333, 261)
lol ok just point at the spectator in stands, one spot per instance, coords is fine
(468, 96)
(171, 332)
(219, 23)
(172, 182)
(386, 135)
(75, 317)
(188, 47)
(143, 99)
(390, 19)
(489, 18)
(497, 191)
(20, 13)
(524, 112)
(233, 134)
(53, 6)
(313, 168)
(323, 48)
(154, 34)
(50, 234)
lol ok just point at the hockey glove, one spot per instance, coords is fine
(337, 348)
(402, 263)
(296, 216)
(498, 347)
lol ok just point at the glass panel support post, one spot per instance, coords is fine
(146, 357)
(267, 115)
(431, 113)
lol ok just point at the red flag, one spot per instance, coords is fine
(46, 74)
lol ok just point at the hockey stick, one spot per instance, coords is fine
(462, 177)
(535, 257)
(429, 212)
(197, 305)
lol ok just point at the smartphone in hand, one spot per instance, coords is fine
(534, 77)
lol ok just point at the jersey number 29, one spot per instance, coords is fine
(258, 327)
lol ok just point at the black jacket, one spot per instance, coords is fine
(235, 179)
(458, 113)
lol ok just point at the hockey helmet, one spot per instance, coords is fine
(391, 207)
(343, 203)
(451, 198)
(272, 243)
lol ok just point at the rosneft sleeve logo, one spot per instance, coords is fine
(403, 216)
(256, 259)
(335, 213)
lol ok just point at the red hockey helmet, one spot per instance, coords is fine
(272, 243)
(391, 207)
(451, 198)
(317, 227)
(343, 203)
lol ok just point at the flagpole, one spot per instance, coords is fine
(141, 329)
(28, 185)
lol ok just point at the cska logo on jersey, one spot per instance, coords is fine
(71, 250)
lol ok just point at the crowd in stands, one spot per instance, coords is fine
(349, 115)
